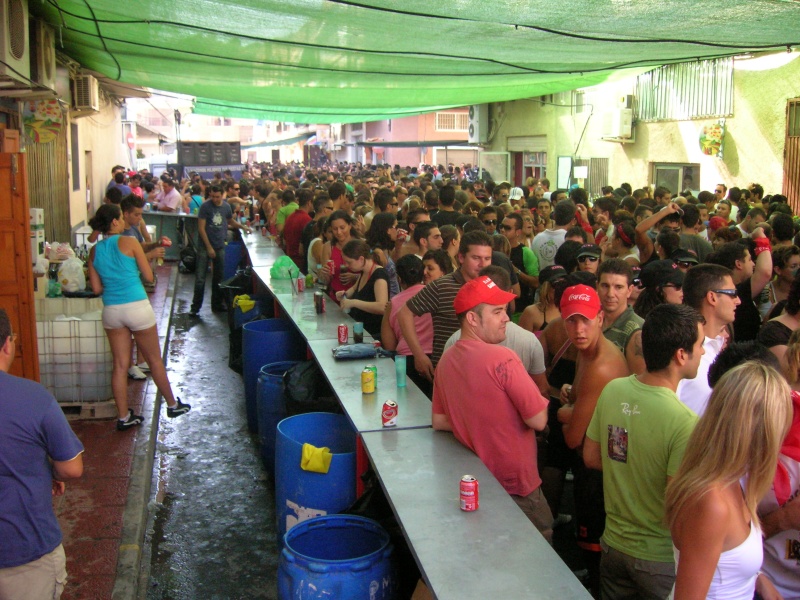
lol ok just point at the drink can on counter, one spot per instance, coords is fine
(301, 284)
(374, 369)
(468, 493)
(343, 333)
(367, 382)
(389, 413)
(319, 302)
(376, 344)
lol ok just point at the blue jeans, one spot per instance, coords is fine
(217, 266)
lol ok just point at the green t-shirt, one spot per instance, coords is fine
(285, 211)
(642, 431)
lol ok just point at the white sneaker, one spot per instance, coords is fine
(144, 367)
(136, 373)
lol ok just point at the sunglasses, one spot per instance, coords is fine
(638, 284)
(490, 222)
(729, 293)
(589, 258)
(672, 285)
(504, 195)
(505, 227)
(685, 265)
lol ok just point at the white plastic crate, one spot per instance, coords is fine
(75, 361)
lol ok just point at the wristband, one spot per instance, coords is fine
(762, 245)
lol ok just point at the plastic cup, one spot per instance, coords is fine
(400, 370)
(358, 332)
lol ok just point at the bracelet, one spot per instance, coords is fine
(762, 245)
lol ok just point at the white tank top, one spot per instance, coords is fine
(737, 569)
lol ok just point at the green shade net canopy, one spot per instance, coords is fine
(328, 61)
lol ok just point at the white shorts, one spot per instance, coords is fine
(136, 316)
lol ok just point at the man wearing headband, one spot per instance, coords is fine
(483, 394)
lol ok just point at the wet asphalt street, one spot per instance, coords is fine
(211, 529)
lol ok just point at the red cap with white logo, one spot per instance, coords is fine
(580, 300)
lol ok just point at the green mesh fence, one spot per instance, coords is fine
(328, 61)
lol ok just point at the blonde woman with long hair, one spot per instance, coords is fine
(728, 467)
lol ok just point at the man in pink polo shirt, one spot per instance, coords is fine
(484, 395)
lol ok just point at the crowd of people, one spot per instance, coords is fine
(640, 343)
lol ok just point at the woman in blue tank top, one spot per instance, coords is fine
(117, 266)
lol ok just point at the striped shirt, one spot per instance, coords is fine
(437, 299)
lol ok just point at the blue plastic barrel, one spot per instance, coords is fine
(265, 342)
(233, 256)
(271, 408)
(338, 557)
(301, 495)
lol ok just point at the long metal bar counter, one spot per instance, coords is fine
(492, 552)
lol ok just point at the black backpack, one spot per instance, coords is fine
(188, 260)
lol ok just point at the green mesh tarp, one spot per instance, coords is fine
(322, 61)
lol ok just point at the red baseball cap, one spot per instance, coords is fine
(580, 300)
(481, 290)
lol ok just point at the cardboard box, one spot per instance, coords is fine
(37, 218)
(37, 244)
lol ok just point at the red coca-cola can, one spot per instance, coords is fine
(264, 231)
(301, 283)
(468, 493)
(389, 413)
(343, 334)
(332, 267)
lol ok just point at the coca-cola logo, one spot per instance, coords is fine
(580, 297)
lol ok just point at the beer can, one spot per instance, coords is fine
(367, 382)
(389, 413)
(343, 334)
(468, 493)
(264, 231)
(319, 302)
(301, 283)
(374, 369)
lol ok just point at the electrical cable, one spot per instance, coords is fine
(102, 40)
(557, 32)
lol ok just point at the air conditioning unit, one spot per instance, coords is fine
(626, 101)
(478, 132)
(618, 124)
(43, 54)
(15, 61)
(87, 94)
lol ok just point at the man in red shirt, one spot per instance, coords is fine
(293, 229)
(483, 394)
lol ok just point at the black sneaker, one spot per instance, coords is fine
(179, 409)
(133, 421)
(194, 313)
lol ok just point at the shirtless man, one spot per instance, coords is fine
(620, 324)
(599, 361)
